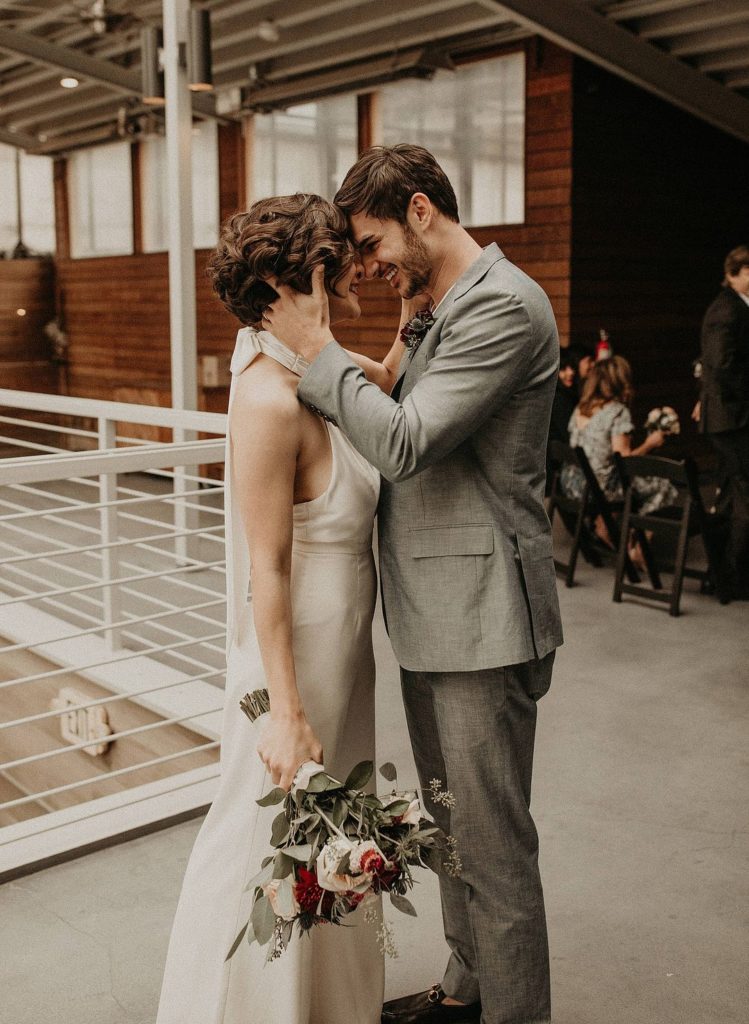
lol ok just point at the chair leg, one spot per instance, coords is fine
(621, 555)
(576, 539)
(679, 563)
(647, 554)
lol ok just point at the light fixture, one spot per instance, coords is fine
(151, 72)
(268, 31)
(199, 71)
(20, 312)
(69, 83)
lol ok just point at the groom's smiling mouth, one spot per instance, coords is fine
(391, 276)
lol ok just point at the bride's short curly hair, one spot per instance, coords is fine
(285, 237)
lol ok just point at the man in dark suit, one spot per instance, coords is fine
(724, 411)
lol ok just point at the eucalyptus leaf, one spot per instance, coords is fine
(398, 807)
(263, 920)
(339, 811)
(280, 829)
(264, 875)
(360, 775)
(285, 898)
(301, 853)
(322, 783)
(283, 865)
(402, 904)
(235, 944)
(344, 865)
(276, 796)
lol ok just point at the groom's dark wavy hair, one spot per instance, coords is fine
(384, 178)
(284, 237)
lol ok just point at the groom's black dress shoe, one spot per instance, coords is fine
(428, 1008)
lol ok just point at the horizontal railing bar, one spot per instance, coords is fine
(99, 628)
(111, 461)
(77, 669)
(109, 775)
(110, 700)
(120, 412)
(110, 583)
(19, 442)
(144, 499)
(91, 548)
(135, 731)
(176, 654)
(38, 425)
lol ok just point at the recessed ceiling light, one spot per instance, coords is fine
(268, 31)
(69, 83)
(20, 312)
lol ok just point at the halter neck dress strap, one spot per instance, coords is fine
(250, 343)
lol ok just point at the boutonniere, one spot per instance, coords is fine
(413, 333)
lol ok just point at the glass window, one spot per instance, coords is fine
(473, 120)
(101, 201)
(37, 202)
(154, 189)
(307, 148)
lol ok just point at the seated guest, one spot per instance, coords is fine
(601, 425)
(565, 397)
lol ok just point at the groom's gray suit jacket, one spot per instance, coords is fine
(465, 546)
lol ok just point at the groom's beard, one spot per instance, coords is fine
(415, 266)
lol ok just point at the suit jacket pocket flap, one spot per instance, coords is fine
(452, 540)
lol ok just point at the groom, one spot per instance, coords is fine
(468, 584)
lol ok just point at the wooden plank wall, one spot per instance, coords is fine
(116, 308)
(659, 198)
(25, 350)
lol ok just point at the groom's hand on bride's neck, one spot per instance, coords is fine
(301, 322)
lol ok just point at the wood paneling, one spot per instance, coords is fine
(658, 199)
(116, 309)
(231, 169)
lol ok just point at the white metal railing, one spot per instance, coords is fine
(112, 583)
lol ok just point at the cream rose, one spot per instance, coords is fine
(413, 814)
(280, 895)
(327, 862)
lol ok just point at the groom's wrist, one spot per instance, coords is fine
(313, 344)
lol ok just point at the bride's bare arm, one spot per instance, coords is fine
(266, 437)
(385, 374)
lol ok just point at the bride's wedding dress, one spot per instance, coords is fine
(334, 974)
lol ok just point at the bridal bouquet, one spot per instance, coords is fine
(337, 848)
(665, 420)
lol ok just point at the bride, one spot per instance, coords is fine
(300, 505)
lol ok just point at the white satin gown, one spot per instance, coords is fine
(334, 974)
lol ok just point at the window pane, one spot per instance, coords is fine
(155, 191)
(37, 202)
(307, 148)
(101, 201)
(8, 208)
(473, 120)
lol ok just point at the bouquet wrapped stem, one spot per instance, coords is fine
(337, 847)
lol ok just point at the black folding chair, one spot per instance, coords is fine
(579, 514)
(675, 523)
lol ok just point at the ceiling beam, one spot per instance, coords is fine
(64, 58)
(580, 29)
(18, 139)
(361, 45)
(708, 40)
(625, 10)
(724, 60)
(691, 19)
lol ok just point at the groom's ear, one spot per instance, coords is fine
(420, 210)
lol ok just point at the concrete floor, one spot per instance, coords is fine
(640, 794)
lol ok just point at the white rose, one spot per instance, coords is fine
(305, 773)
(413, 814)
(327, 862)
(280, 894)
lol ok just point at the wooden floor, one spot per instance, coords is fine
(76, 765)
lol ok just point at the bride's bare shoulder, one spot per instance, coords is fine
(265, 394)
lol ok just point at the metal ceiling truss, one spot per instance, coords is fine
(693, 53)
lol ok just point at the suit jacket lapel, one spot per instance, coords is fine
(418, 360)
